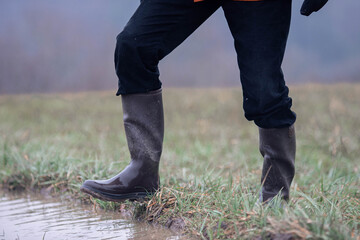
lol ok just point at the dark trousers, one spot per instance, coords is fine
(260, 31)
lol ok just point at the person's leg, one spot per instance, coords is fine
(156, 28)
(260, 31)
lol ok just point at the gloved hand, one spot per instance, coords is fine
(310, 6)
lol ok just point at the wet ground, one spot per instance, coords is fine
(29, 217)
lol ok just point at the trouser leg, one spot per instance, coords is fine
(156, 28)
(260, 31)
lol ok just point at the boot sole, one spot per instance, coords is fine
(116, 197)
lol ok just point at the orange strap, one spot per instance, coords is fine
(234, 0)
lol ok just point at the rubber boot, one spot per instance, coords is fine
(278, 147)
(144, 129)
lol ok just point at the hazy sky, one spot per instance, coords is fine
(68, 45)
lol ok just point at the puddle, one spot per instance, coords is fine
(30, 217)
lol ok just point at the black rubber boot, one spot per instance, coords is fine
(278, 147)
(144, 128)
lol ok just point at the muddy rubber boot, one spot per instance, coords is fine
(278, 147)
(144, 129)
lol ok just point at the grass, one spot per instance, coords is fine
(210, 167)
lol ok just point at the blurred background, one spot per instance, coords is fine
(67, 46)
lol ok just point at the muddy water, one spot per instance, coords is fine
(30, 218)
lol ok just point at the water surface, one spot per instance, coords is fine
(29, 217)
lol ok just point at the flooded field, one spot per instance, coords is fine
(28, 217)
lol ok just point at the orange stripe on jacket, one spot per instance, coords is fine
(234, 0)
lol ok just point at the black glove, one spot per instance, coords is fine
(310, 6)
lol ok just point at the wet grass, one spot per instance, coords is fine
(210, 168)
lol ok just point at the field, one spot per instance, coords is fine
(210, 167)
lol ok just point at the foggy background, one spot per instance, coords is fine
(48, 46)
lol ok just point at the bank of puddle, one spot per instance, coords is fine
(30, 217)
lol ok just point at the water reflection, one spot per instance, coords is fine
(30, 217)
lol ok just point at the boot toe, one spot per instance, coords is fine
(88, 184)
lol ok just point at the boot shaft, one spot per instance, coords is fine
(278, 147)
(144, 124)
